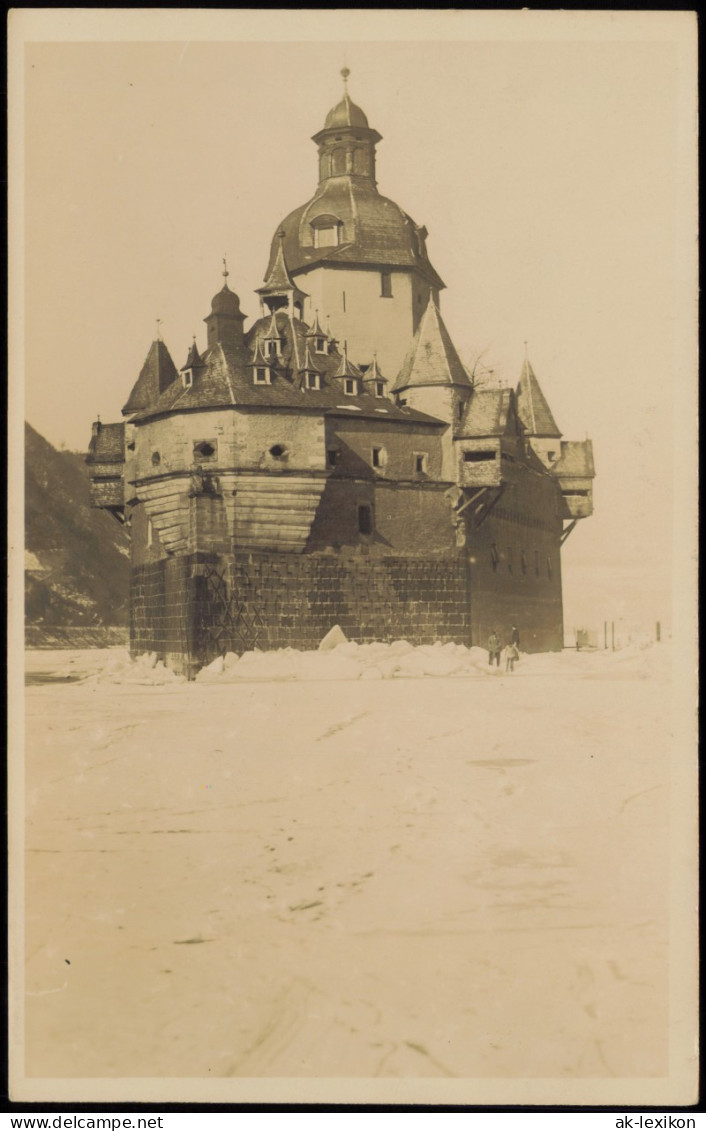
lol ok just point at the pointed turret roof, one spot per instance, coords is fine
(432, 358)
(373, 373)
(347, 368)
(310, 365)
(532, 406)
(315, 330)
(279, 281)
(156, 375)
(273, 331)
(193, 361)
(258, 357)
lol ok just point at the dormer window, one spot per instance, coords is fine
(327, 228)
(350, 386)
(188, 378)
(326, 237)
(313, 381)
(274, 347)
(320, 346)
(261, 375)
(379, 388)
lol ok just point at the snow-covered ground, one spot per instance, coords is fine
(374, 861)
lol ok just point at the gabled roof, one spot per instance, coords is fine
(532, 406)
(576, 459)
(156, 375)
(432, 358)
(488, 413)
(107, 443)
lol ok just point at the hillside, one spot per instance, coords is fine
(77, 557)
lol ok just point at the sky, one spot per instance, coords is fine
(546, 160)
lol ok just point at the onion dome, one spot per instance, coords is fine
(346, 113)
(226, 302)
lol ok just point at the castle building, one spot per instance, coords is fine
(334, 463)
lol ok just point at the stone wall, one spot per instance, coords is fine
(192, 608)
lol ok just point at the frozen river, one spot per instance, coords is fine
(284, 870)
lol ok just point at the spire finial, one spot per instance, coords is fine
(225, 272)
(159, 333)
(526, 355)
(345, 72)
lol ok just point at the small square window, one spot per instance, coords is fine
(321, 345)
(349, 386)
(420, 463)
(385, 284)
(261, 375)
(377, 457)
(313, 381)
(332, 456)
(379, 388)
(188, 378)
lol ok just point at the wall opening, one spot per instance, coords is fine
(365, 519)
(478, 457)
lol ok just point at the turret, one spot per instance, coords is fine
(536, 416)
(225, 322)
(279, 291)
(346, 143)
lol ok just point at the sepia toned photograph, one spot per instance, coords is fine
(353, 557)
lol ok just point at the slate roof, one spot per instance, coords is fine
(576, 459)
(532, 406)
(227, 379)
(486, 414)
(193, 360)
(374, 231)
(278, 280)
(346, 113)
(432, 358)
(226, 302)
(156, 375)
(107, 444)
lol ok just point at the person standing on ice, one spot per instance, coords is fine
(515, 637)
(494, 648)
(509, 655)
